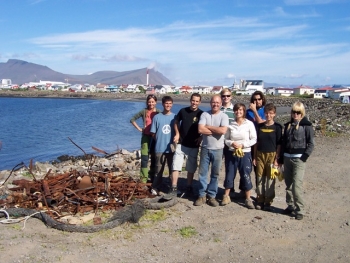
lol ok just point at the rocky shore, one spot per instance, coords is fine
(329, 117)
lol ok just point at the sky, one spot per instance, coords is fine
(204, 42)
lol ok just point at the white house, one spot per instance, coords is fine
(201, 89)
(304, 90)
(133, 88)
(284, 91)
(216, 89)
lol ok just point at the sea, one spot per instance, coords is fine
(42, 129)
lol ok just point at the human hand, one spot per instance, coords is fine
(252, 106)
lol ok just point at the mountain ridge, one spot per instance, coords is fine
(20, 72)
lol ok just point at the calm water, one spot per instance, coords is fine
(38, 129)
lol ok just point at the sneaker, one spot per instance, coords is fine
(288, 211)
(259, 206)
(225, 200)
(154, 191)
(249, 203)
(212, 201)
(200, 201)
(299, 217)
(267, 207)
(172, 194)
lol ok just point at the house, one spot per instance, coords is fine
(304, 90)
(284, 91)
(335, 93)
(202, 89)
(133, 88)
(100, 87)
(270, 91)
(150, 90)
(159, 89)
(186, 89)
(322, 92)
(216, 89)
(112, 88)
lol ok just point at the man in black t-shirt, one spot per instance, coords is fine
(187, 140)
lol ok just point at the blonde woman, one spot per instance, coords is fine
(297, 146)
(241, 134)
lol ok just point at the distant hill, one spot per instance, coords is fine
(20, 72)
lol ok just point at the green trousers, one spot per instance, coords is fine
(294, 171)
(146, 151)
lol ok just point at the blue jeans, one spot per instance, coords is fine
(207, 157)
(244, 166)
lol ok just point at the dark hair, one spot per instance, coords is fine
(270, 107)
(151, 96)
(196, 95)
(166, 98)
(240, 105)
(258, 92)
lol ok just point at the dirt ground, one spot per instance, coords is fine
(232, 233)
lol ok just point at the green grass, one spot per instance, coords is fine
(155, 216)
(187, 232)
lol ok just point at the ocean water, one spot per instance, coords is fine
(39, 128)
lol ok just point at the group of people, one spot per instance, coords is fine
(247, 139)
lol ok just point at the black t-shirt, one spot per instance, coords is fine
(188, 122)
(269, 137)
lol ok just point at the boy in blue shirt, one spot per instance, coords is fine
(163, 133)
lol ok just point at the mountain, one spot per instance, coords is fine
(20, 72)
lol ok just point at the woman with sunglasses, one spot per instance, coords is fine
(297, 146)
(147, 115)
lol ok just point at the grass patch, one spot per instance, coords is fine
(187, 232)
(155, 216)
(332, 134)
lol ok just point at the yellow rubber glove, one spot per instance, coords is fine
(274, 172)
(238, 152)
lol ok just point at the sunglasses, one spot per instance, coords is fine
(296, 112)
(257, 99)
(225, 96)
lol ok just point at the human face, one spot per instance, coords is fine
(195, 101)
(296, 115)
(257, 99)
(215, 104)
(167, 106)
(270, 115)
(226, 98)
(151, 104)
(239, 113)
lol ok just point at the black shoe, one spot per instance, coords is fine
(259, 206)
(267, 207)
(299, 217)
(172, 194)
(288, 211)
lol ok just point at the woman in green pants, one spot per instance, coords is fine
(147, 115)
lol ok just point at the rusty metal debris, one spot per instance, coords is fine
(75, 192)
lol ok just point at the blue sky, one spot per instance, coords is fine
(194, 42)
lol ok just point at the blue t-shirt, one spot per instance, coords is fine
(163, 128)
(250, 116)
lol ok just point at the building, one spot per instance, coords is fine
(304, 90)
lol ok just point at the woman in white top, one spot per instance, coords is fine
(240, 135)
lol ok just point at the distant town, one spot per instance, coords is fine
(243, 87)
